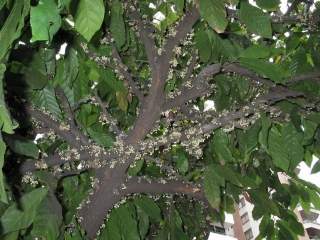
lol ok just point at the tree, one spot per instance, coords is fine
(106, 126)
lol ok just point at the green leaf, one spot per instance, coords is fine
(149, 207)
(270, 70)
(122, 100)
(143, 223)
(285, 147)
(314, 198)
(6, 124)
(75, 189)
(202, 43)
(270, 5)
(13, 25)
(136, 167)
(255, 51)
(46, 98)
(48, 220)
(100, 134)
(89, 17)
(264, 133)
(256, 20)
(316, 167)
(248, 140)
(220, 145)
(180, 157)
(24, 147)
(211, 184)
(20, 217)
(3, 194)
(122, 224)
(45, 20)
(117, 26)
(214, 12)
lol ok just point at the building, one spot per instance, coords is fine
(246, 228)
(311, 222)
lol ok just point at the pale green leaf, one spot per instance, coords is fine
(271, 5)
(266, 69)
(89, 17)
(20, 217)
(45, 20)
(214, 12)
(255, 20)
(13, 25)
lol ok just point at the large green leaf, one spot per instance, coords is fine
(220, 145)
(202, 43)
(89, 17)
(24, 147)
(13, 25)
(149, 207)
(256, 20)
(100, 134)
(211, 184)
(122, 224)
(256, 51)
(270, 70)
(248, 140)
(48, 220)
(45, 98)
(285, 146)
(271, 5)
(45, 20)
(20, 217)
(117, 26)
(214, 12)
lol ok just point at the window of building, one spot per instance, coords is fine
(242, 202)
(245, 218)
(217, 229)
(248, 234)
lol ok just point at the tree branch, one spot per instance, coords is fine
(200, 87)
(141, 185)
(47, 122)
(112, 123)
(181, 31)
(123, 69)
(64, 103)
(146, 36)
(238, 69)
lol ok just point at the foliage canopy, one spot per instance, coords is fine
(105, 124)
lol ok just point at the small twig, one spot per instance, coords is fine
(200, 87)
(110, 120)
(146, 35)
(181, 31)
(123, 69)
(70, 116)
(47, 122)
